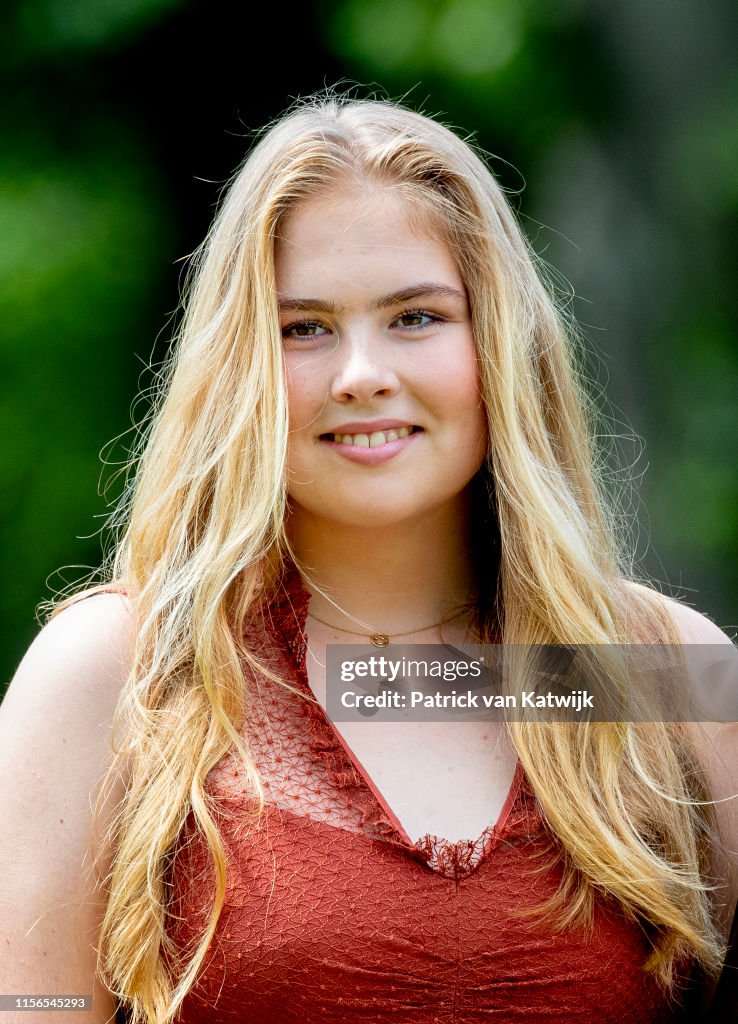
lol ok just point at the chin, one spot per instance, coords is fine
(363, 520)
(364, 517)
(367, 511)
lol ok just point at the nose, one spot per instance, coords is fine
(364, 369)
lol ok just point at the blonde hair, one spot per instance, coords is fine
(204, 540)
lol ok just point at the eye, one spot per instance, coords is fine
(417, 319)
(304, 329)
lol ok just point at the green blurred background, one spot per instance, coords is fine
(613, 124)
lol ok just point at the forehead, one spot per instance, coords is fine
(332, 239)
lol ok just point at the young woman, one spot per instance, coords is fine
(372, 425)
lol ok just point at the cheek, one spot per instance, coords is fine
(454, 382)
(306, 392)
(469, 388)
(465, 406)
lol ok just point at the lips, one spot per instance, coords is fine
(373, 439)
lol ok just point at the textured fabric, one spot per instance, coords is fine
(333, 915)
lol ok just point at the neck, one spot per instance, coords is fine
(393, 578)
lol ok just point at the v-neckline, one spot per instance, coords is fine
(454, 858)
(428, 837)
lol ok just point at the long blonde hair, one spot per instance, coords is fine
(204, 540)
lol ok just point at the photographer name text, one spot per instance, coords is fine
(462, 700)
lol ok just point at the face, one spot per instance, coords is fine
(386, 419)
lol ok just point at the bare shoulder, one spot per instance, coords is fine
(694, 627)
(55, 749)
(92, 633)
(711, 658)
(61, 701)
(65, 690)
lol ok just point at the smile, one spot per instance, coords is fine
(374, 440)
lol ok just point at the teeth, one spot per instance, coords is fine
(375, 440)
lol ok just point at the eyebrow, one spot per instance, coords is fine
(414, 291)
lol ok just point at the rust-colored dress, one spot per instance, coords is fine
(334, 915)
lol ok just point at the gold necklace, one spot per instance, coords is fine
(383, 639)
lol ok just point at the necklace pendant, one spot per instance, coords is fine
(380, 639)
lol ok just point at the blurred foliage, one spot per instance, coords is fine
(45, 28)
(84, 231)
(612, 127)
